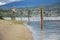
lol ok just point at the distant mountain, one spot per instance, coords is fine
(27, 3)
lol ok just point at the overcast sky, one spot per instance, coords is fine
(2, 2)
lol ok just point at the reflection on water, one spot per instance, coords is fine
(51, 30)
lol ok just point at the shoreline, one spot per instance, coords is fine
(28, 27)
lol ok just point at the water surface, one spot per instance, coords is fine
(51, 30)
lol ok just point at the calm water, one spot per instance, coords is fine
(51, 30)
(33, 18)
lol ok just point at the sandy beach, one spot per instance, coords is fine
(11, 31)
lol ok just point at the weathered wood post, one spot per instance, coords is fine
(1, 16)
(21, 14)
(28, 16)
(42, 23)
(13, 13)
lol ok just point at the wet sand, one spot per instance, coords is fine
(11, 31)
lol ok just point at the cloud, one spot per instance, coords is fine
(14, 0)
(9, 0)
(2, 2)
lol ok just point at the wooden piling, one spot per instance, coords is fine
(42, 24)
(28, 16)
(21, 14)
(13, 13)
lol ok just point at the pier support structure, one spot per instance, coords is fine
(28, 16)
(21, 14)
(42, 23)
(13, 15)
